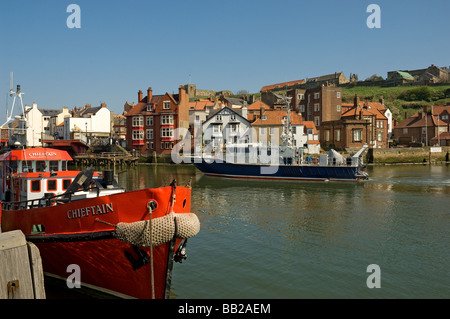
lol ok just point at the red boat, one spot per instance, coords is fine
(124, 242)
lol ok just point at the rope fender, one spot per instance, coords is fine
(160, 230)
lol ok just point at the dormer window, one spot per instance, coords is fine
(264, 117)
(166, 105)
(149, 108)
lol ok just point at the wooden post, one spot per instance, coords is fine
(21, 273)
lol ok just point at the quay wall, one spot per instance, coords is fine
(407, 155)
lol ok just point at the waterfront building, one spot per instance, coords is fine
(153, 122)
(268, 128)
(88, 123)
(423, 127)
(359, 123)
(226, 126)
(36, 125)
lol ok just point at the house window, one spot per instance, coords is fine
(262, 130)
(327, 135)
(316, 107)
(380, 136)
(51, 185)
(445, 117)
(151, 145)
(301, 96)
(138, 135)
(317, 120)
(162, 145)
(302, 108)
(357, 135)
(147, 145)
(405, 130)
(338, 95)
(36, 186)
(272, 130)
(166, 105)
(138, 121)
(217, 128)
(317, 95)
(167, 119)
(234, 128)
(424, 130)
(218, 117)
(149, 121)
(294, 130)
(337, 135)
(197, 117)
(338, 108)
(64, 165)
(149, 134)
(233, 117)
(149, 107)
(167, 132)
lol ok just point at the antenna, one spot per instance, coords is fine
(10, 84)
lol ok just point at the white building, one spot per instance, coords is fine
(36, 125)
(92, 122)
(226, 126)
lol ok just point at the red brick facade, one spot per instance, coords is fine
(152, 122)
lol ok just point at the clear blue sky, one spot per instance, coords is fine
(124, 46)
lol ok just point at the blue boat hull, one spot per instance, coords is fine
(280, 172)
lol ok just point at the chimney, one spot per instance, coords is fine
(87, 106)
(356, 101)
(366, 104)
(103, 104)
(425, 111)
(139, 96)
(382, 100)
(261, 111)
(181, 94)
(406, 115)
(149, 95)
(244, 112)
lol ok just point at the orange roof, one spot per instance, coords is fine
(275, 117)
(200, 105)
(310, 124)
(36, 154)
(257, 106)
(313, 142)
(281, 85)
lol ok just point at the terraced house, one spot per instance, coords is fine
(153, 122)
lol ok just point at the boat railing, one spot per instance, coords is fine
(49, 199)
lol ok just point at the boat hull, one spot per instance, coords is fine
(280, 172)
(81, 233)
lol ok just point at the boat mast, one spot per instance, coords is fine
(17, 94)
(287, 136)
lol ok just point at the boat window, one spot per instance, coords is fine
(36, 186)
(51, 185)
(40, 166)
(66, 183)
(26, 166)
(64, 165)
(53, 165)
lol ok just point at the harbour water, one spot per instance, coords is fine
(288, 240)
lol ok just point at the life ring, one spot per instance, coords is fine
(315, 160)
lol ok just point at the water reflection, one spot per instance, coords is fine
(273, 239)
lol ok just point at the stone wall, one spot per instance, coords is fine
(407, 155)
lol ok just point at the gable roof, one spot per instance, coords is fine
(224, 109)
(275, 117)
(257, 106)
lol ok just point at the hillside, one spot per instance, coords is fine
(401, 99)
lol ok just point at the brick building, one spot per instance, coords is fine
(359, 124)
(321, 104)
(152, 122)
(423, 126)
